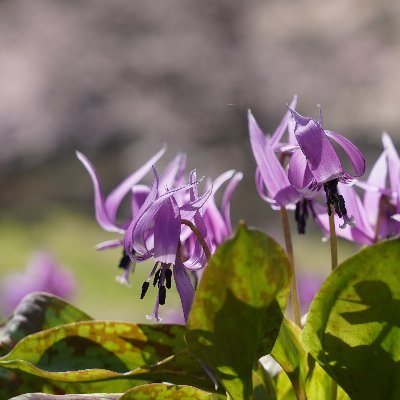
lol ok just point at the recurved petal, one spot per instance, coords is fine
(322, 158)
(139, 196)
(172, 175)
(137, 234)
(167, 229)
(376, 184)
(226, 200)
(393, 164)
(355, 208)
(150, 199)
(109, 244)
(272, 172)
(114, 199)
(355, 156)
(261, 189)
(102, 216)
(300, 176)
(184, 287)
(280, 130)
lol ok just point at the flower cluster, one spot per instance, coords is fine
(313, 165)
(169, 222)
(298, 167)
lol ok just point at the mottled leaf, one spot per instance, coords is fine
(308, 379)
(43, 396)
(36, 312)
(353, 327)
(100, 350)
(289, 353)
(238, 308)
(162, 391)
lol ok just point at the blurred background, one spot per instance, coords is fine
(117, 79)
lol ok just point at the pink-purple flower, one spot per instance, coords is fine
(169, 222)
(317, 163)
(313, 164)
(43, 274)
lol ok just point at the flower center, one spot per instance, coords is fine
(334, 198)
(301, 215)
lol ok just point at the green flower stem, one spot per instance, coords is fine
(289, 249)
(333, 239)
(334, 263)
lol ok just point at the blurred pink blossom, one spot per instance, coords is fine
(43, 274)
(308, 286)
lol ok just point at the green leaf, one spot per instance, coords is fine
(263, 385)
(238, 308)
(36, 312)
(100, 350)
(289, 353)
(307, 377)
(43, 396)
(353, 326)
(284, 387)
(161, 391)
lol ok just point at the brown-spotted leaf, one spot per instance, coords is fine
(161, 391)
(44, 396)
(36, 312)
(100, 350)
(238, 308)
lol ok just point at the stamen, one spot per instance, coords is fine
(157, 277)
(333, 198)
(145, 287)
(168, 276)
(162, 294)
(125, 261)
(301, 215)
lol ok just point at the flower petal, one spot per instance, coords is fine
(184, 287)
(393, 165)
(322, 159)
(300, 176)
(274, 175)
(99, 201)
(373, 191)
(115, 198)
(356, 158)
(109, 244)
(280, 130)
(167, 230)
(173, 174)
(226, 200)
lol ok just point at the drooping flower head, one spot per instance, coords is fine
(163, 222)
(270, 173)
(272, 181)
(169, 222)
(316, 163)
(377, 212)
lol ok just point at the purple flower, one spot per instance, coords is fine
(308, 286)
(270, 172)
(218, 221)
(106, 208)
(316, 163)
(272, 181)
(158, 230)
(43, 274)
